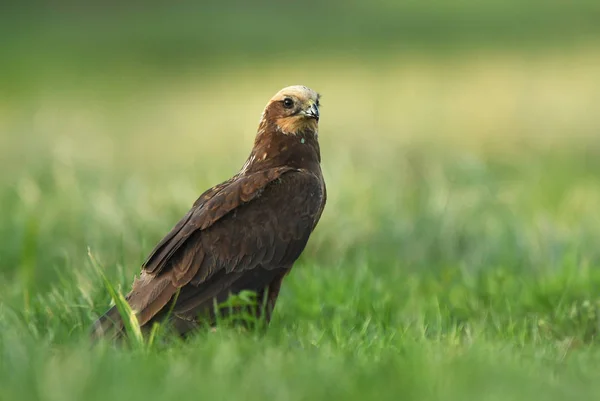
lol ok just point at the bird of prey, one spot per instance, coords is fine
(243, 234)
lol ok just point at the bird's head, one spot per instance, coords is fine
(293, 110)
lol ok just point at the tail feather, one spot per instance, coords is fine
(147, 297)
(108, 326)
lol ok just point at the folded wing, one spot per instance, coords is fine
(242, 234)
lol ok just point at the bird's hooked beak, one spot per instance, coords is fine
(312, 111)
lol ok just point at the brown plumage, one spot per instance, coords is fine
(243, 234)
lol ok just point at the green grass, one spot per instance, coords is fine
(457, 258)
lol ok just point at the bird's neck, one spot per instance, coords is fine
(273, 148)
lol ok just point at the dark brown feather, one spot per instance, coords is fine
(243, 234)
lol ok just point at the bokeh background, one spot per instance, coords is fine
(456, 258)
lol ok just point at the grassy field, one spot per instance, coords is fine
(457, 258)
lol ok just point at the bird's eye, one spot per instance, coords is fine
(288, 103)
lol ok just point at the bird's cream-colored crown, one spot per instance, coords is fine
(300, 92)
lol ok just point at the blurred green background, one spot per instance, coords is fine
(457, 257)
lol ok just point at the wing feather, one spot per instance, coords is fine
(256, 240)
(210, 207)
